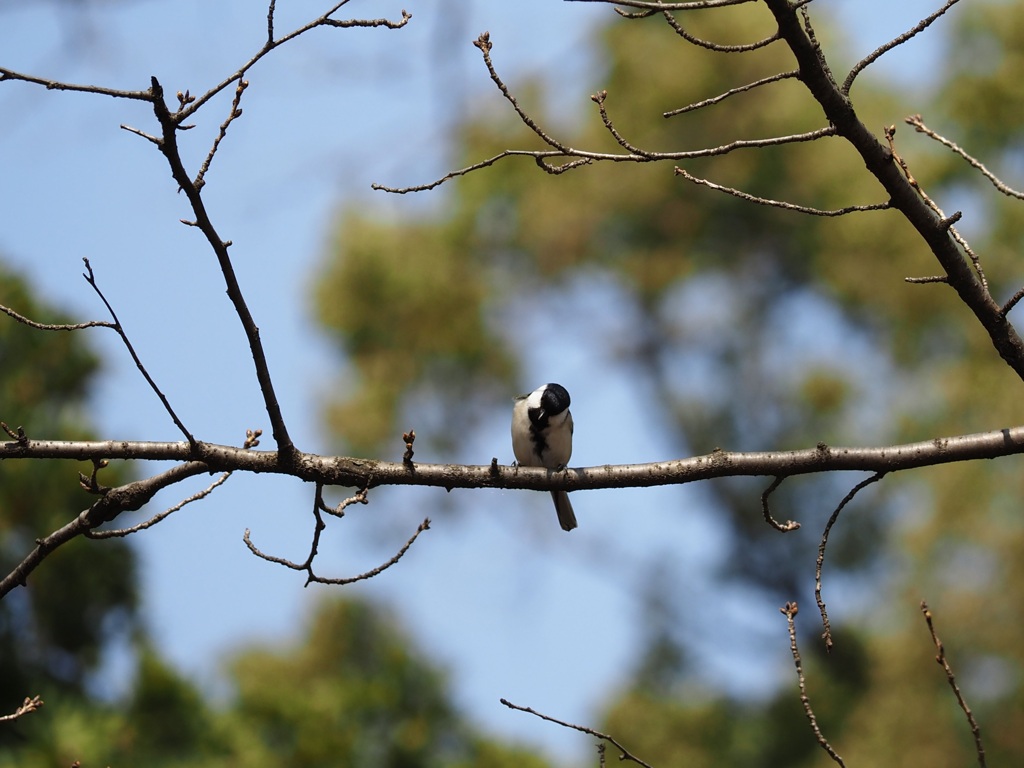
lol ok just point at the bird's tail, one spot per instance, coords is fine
(566, 517)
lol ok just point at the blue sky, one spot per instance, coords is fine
(510, 605)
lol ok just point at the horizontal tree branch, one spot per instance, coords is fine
(369, 473)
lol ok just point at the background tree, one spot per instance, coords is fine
(752, 326)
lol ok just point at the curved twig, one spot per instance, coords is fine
(827, 634)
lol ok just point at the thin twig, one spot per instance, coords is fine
(588, 157)
(678, 28)
(693, 5)
(91, 279)
(1012, 302)
(731, 92)
(54, 85)
(55, 326)
(782, 203)
(882, 49)
(121, 532)
(920, 127)
(233, 115)
(319, 525)
(483, 42)
(624, 754)
(941, 659)
(125, 498)
(827, 634)
(790, 611)
(599, 98)
(786, 527)
(270, 44)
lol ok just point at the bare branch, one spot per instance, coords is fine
(483, 42)
(1012, 302)
(789, 525)
(693, 5)
(233, 114)
(672, 22)
(599, 98)
(54, 327)
(351, 472)
(790, 611)
(121, 532)
(270, 44)
(169, 148)
(54, 85)
(624, 754)
(827, 634)
(586, 157)
(781, 203)
(872, 57)
(941, 659)
(125, 498)
(920, 127)
(947, 223)
(339, 511)
(879, 160)
(91, 279)
(731, 92)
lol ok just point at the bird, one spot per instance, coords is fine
(542, 437)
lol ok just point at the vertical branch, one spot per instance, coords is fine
(790, 611)
(940, 657)
(169, 148)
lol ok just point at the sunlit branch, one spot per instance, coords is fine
(351, 472)
(54, 326)
(585, 156)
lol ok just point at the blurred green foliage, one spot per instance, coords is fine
(352, 691)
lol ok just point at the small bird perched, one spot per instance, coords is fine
(542, 437)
